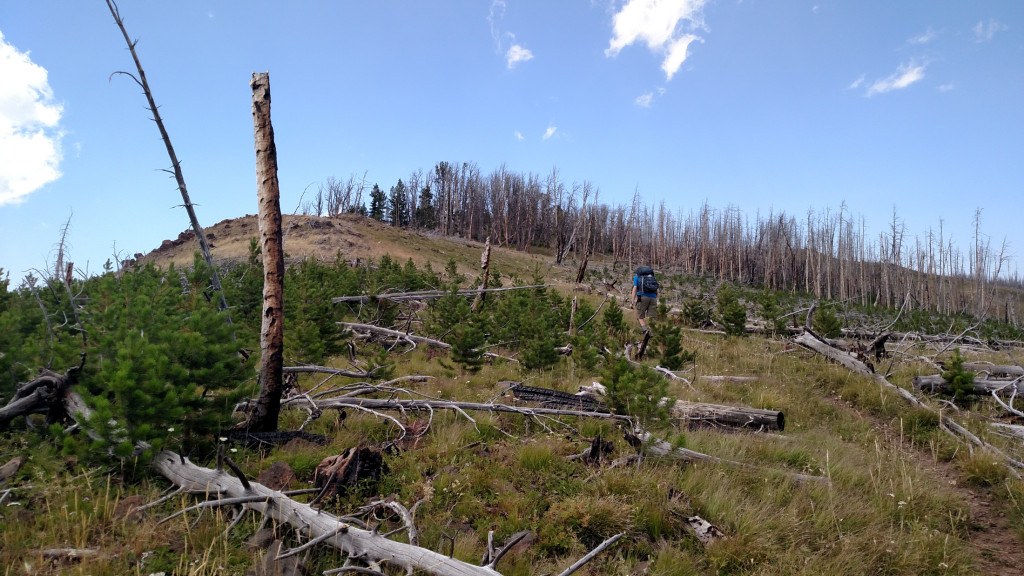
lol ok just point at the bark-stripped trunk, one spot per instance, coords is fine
(179, 178)
(268, 405)
(485, 265)
(354, 542)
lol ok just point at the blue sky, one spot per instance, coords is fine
(914, 107)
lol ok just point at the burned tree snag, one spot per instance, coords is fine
(264, 416)
(179, 178)
(485, 265)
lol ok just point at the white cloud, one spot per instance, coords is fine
(657, 23)
(946, 87)
(856, 83)
(549, 133)
(904, 76)
(519, 135)
(646, 100)
(517, 54)
(29, 132)
(986, 31)
(923, 38)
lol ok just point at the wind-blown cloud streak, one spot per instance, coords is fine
(904, 76)
(29, 132)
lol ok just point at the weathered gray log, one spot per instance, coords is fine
(740, 416)
(698, 412)
(403, 405)
(811, 341)
(427, 294)
(936, 384)
(808, 340)
(992, 369)
(739, 379)
(656, 447)
(387, 332)
(367, 546)
(394, 334)
(311, 369)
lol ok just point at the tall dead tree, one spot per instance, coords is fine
(265, 413)
(179, 178)
(485, 266)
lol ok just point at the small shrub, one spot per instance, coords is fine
(960, 380)
(826, 323)
(695, 314)
(771, 313)
(636, 391)
(731, 313)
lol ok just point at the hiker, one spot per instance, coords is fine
(644, 295)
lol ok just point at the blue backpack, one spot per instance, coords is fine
(646, 283)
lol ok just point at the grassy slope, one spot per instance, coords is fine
(903, 499)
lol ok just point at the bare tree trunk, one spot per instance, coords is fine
(485, 265)
(179, 178)
(319, 526)
(268, 406)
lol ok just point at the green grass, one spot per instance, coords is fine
(890, 505)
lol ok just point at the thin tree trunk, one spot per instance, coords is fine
(485, 265)
(268, 405)
(179, 178)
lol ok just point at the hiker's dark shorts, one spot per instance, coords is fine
(645, 306)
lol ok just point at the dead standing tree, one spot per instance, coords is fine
(264, 416)
(179, 178)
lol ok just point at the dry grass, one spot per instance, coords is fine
(890, 505)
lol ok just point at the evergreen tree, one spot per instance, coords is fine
(425, 209)
(731, 313)
(636, 392)
(162, 362)
(466, 340)
(669, 337)
(826, 323)
(695, 313)
(771, 312)
(960, 380)
(378, 202)
(398, 206)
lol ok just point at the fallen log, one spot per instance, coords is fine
(695, 412)
(936, 384)
(389, 333)
(993, 369)
(738, 416)
(548, 397)
(653, 446)
(366, 546)
(737, 379)
(394, 334)
(428, 294)
(45, 394)
(427, 405)
(809, 340)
